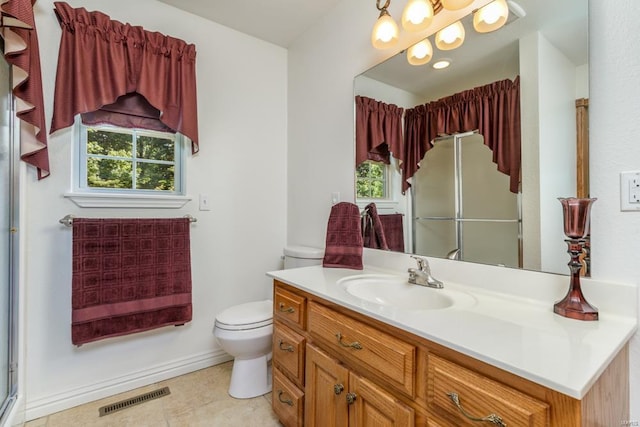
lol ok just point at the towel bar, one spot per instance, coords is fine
(68, 220)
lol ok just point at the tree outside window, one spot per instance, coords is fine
(371, 180)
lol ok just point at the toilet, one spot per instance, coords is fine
(245, 332)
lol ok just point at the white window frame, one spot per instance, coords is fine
(393, 184)
(85, 196)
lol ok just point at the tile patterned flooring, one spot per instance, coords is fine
(197, 399)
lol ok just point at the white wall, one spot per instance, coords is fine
(242, 86)
(614, 127)
(322, 65)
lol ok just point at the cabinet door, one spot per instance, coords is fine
(375, 407)
(325, 392)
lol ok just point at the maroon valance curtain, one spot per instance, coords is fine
(378, 130)
(21, 50)
(493, 109)
(100, 60)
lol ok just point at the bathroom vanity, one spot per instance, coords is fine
(475, 356)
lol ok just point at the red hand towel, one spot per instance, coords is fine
(374, 233)
(344, 237)
(393, 231)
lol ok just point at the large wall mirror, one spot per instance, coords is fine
(545, 43)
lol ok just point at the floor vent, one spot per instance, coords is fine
(127, 403)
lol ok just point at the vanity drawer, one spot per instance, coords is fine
(288, 352)
(479, 397)
(287, 401)
(376, 352)
(289, 307)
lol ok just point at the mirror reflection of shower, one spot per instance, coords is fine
(462, 206)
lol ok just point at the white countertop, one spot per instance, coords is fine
(518, 334)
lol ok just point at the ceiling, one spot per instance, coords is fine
(277, 21)
(563, 23)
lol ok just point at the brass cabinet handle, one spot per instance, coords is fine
(351, 397)
(355, 345)
(285, 310)
(283, 347)
(338, 388)
(285, 401)
(492, 418)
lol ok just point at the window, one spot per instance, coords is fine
(134, 161)
(371, 180)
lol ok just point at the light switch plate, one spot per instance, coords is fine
(630, 191)
(204, 203)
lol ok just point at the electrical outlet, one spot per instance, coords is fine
(630, 191)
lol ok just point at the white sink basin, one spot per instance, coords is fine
(394, 291)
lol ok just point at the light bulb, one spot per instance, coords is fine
(443, 63)
(450, 37)
(491, 17)
(420, 53)
(417, 15)
(455, 4)
(385, 32)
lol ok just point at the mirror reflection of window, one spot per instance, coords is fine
(372, 180)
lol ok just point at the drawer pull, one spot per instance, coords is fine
(492, 418)
(351, 397)
(356, 345)
(285, 310)
(283, 347)
(338, 388)
(285, 401)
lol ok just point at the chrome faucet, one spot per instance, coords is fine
(422, 275)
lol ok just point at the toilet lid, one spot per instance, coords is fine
(246, 316)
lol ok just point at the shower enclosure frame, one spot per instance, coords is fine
(13, 175)
(458, 211)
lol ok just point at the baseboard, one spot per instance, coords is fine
(78, 396)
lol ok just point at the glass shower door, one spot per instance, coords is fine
(434, 201)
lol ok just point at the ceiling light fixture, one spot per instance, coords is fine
(417, 15)
(420, 53)
(450, 37)
(443, 63)
(385, 31)
(491, 17)
(455, 4)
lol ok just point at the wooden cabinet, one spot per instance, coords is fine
(338, 397)
(287, 401)
(288, 353)
(457, 391)
(377, 353)
(324, 352)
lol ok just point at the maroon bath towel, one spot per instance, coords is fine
(374, 232)
(393, 231)
(129, 275)
(344, 237)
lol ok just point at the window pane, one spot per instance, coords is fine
(152, 176)
(107, 173)
(155, 148)
(377, 189)
(108, 143)
(377, 171)
(362, 170)
(362, 188)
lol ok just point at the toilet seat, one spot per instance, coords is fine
(251, 315)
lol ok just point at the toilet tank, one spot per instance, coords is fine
(302, 256)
